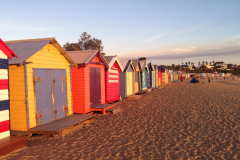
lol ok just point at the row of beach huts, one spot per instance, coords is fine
(41, 82)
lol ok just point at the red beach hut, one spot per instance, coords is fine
(88, 81)
(113, 79)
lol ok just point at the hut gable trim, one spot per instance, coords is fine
(6, 50)
(111, 60)
(126, 64)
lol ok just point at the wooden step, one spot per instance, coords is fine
(11, 143)
(114, 110)
(132, 97)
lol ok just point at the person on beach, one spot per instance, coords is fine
(224, 78)
(208, 79)
(181, 78)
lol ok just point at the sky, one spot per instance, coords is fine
(166, 32)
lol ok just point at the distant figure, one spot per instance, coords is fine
(233, 78)
(208, 79)
(224, 78)
(181, 78)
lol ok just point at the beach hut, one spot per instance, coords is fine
(143, 74)
(156, 75)
(88, 80)
(136, 80)
(40, 83)
(126, 78)
(153, 77)
(5, 54)
(113, 78)
(160, 75)
(149, 76)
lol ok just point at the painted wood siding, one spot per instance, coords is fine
(48, 57)
(87, 85)
(18, 114)
(123, 91)
(78, 90)
(153, 78)
(113, 83)
(4, 99)
(156, 77)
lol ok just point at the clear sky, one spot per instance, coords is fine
(164, 31)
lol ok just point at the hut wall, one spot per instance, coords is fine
(136, 81)
(4, 99)
(18, 118)
(87, 85)
(153, 78)
(123, 84)
(78, 89)
(156, 77)
(113, 84)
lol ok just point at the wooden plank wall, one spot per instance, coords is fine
(4, 99)
(87, 83)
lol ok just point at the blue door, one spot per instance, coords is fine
(43, 95)
(50, 89)
(60, 102)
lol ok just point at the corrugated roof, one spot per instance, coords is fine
(142, 65)
(125, 64)
(82, 56)
(135, 63)
(109, 58)
(26, 48)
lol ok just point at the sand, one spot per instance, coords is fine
(180, 121)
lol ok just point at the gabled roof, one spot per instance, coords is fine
(85, 56)
(126, 64)
(142, 65)
(150, 67)
(6, 50)
(26, 48)
(111, 60)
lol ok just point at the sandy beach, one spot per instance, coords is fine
(180, 121)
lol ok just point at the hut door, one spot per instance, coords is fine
(129, 83)
(43, 95)
(95, 86)
(59, 95)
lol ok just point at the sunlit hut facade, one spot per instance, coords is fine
(5, 54)
(156, 75)
(40, 84)
(143, 74)
(127, 77)
(160, 75)
(113, 78)
(136, 80)
(88, 80)
(151, 76)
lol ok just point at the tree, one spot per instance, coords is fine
(85, 43)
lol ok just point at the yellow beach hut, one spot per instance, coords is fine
(40, 84)
(136, 77)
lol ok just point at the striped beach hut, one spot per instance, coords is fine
(136, 80)
(164, 75)
(5, 54)
(126, 79)
(40, 83)
(113, 78)
(88, 80)
(143, 74)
